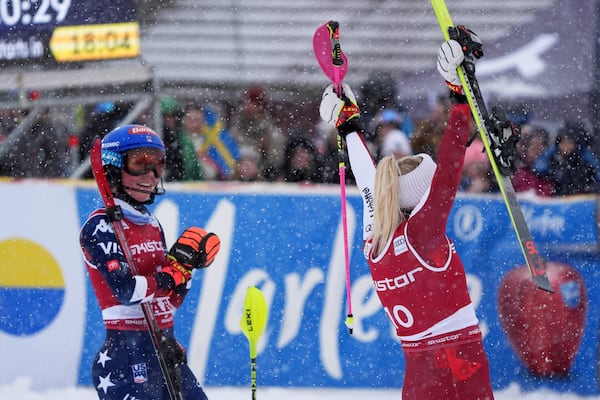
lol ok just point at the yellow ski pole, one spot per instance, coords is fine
(253, 323)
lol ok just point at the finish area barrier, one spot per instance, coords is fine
(288, 241)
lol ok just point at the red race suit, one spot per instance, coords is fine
(421, 281)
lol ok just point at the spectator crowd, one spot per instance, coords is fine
(247, 142)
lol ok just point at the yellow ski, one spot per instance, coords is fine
(466, 73)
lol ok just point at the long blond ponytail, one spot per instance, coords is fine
(388, 214)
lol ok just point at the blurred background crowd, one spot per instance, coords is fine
(253, 133)
(255, 140)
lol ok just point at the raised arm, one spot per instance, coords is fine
(435, 211)
(450, 159)
(345, 115)
(363, 168)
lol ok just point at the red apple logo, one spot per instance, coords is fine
(545, 329)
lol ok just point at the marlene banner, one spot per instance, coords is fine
(287, 240)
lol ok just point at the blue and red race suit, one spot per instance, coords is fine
(126, 366)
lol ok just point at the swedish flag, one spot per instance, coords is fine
(219, 146)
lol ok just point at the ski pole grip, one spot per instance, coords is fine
(469, 41)
(336, 49)
(114, 213)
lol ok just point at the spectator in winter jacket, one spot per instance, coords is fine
(301, 160)
(40, 151)
(172, 119)
(532, 145)
(389, 138)
(569, 171)
(252, 125)
(477, 176)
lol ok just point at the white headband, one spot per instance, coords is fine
(416, 183)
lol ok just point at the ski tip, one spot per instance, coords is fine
(543, 283)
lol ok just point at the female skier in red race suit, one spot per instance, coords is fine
(418, 276)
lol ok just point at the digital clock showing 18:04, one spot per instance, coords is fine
(95, 42)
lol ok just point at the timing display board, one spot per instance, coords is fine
(67, 30)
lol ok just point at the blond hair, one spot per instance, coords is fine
(388, 214)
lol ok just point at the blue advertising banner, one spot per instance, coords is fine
(287, 240)
(289, 244)
(565, 232)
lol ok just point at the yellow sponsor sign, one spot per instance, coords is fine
(95, 42)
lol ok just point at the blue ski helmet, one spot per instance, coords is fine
(125, 138)
(114, 146)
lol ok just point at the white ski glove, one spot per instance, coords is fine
(450, 56)
(341, 111)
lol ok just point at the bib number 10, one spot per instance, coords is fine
(400, 316)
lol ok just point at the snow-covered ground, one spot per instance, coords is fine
(21, 390)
